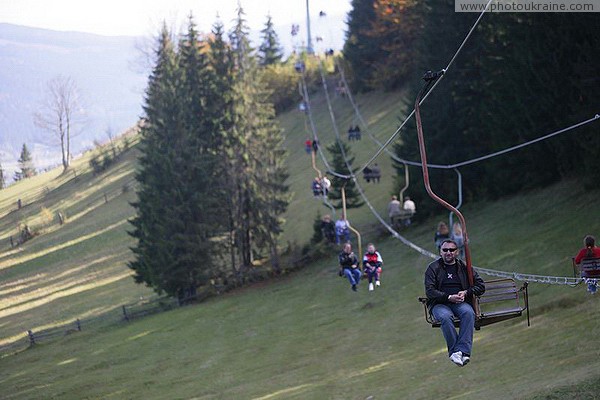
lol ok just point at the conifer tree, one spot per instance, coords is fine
(176, 201)
(269, 52)
(27, 169)
(361, 50)
(222, 65)
(197, 173)
(255, 156)
(338, 163)
(151, 252)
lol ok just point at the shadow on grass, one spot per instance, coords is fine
(556, 304)
(587, 390)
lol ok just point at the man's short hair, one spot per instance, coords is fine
(448, 241)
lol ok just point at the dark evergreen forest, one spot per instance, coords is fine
(519, 76)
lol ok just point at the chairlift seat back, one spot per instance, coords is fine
(590, 268)
(501, 301)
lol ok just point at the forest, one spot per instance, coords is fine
(519, 76)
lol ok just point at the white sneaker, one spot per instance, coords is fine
(465, 360)
(371, 287)
(377, 283)
(457, 358)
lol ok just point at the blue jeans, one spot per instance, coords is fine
(353, 275)
(342, 235)
(463, 340)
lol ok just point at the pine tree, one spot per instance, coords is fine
(27, 169)
(152, 253)
(361, 50)
(269, 52)
(338, 163)
(175, 219)
(222, 65)
(198, 171)
(503, 90)
(255, 156)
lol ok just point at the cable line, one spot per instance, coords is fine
(359, 188)
(441, 77)
(462, 163)
(326, 201)
(520, 276)
(555, 280)
(393, 136)
(314, 131)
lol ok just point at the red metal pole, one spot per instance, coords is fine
(439, 199)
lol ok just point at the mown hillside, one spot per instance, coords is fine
(305, 335)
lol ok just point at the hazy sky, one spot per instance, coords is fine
(143, 17)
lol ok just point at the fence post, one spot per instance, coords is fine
(105, 198)
(61, 218)
(125, 314)
(78, 324)
(31, 337)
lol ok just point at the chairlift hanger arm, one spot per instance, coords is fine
(430, 78)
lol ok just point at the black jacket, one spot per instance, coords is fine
(348, 260)
(434, 277)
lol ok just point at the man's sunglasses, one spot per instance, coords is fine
(449, 249)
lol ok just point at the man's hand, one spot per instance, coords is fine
(457, 298)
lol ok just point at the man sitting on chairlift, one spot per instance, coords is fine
(349, 266)
(449, 296)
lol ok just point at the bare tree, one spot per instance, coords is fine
(113, 147)
(61, 114)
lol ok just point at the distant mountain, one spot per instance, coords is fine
(109, 76)
(103, 68)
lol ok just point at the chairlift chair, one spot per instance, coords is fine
(299, 66)
(588, 268)
(589, 271)
(404, 214)
(501, 300)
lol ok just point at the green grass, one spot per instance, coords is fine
(304, 335)
(381, 112)
(72, 271)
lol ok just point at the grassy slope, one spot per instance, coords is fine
(381, 112)
(306, 335)
(73, 271)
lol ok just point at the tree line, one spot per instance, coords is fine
(519, 76)
(211, 174)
